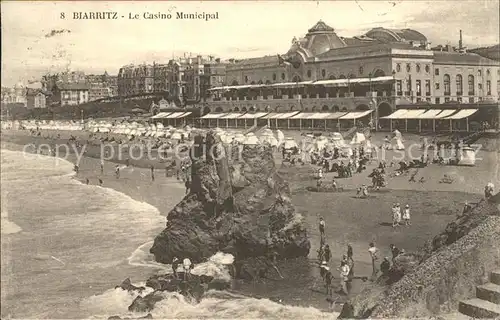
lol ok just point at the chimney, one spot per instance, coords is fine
(460, 43)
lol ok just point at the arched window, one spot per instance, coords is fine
(378, 73)
(309, 73)
(219, 109)
(446, 82)
(323, 73)
(260, 82)
(246, 79)
(236, 109)
(459, 85)
(335, 108)
(471, 85)
(332, 77)
(324, 108)
(341, 76)
(282, 76)
(234, 83)
(274, 76)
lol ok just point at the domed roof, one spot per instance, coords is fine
(319, 39)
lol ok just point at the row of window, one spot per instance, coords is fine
(479, 72)
(418, 84)
(447, 86)
(417, 67)
(459, 84)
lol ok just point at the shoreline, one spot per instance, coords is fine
(135, 182)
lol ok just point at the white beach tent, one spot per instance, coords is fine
(467, 157)
(251, 139)
(358, 138)
(320, 143)
(280, 136)
(268, 138)
(289, 143)
(239, 137)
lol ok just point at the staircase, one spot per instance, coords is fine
(487, 301)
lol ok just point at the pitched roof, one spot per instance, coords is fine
(462, 58)
(73, 86)
(320, 26)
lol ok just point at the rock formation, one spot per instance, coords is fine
(237, 204)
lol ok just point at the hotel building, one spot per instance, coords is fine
(386, 78)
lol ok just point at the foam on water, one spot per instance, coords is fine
(214, 305)
(60, 214)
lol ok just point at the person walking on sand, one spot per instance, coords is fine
(87, 181)
(327, 254)
(117, 171)
(406, 216)
(175, 266)
(395, 252)
(350, 253)
(396, 215)
(374, 257)
(102, 167)
(152, 173)
(344, 276)
(322, 229)
(328, 280)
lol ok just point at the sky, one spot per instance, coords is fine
(244, 29)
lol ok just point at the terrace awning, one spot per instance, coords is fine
(290, 84)
(345, 82)
(430, 114)
(161, 115)
(283, 115)
(445, 113)
(335, 115)
(253, 115)
(302, 115)
(465, 113)
(412, 114)
(231, 115)
(396, 114)
(212, 115)
(177, 115)
(355, 115)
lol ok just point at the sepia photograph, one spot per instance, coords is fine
(250, 159)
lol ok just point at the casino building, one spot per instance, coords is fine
(386, 78)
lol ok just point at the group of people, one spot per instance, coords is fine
(346, 268)
(400, 217)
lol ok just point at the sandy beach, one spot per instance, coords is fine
(349, 219)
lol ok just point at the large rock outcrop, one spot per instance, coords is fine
(434, 280)
(237, 204)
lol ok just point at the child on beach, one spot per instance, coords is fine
(102, 167)
(152, 173)
(117, 171)
(406, 215)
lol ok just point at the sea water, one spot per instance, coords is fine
(65, 246)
